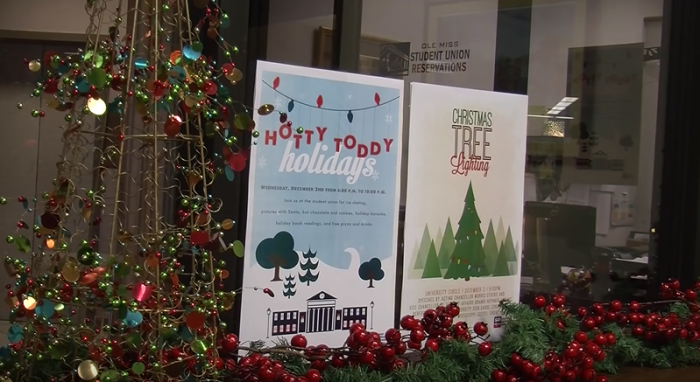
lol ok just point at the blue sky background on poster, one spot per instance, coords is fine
(371, 122)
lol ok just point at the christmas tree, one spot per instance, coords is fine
(422, 254)
(121, 285)
(308, 267)
(468, 257)
(432, 266)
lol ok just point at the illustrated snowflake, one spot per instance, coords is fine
(389, 118)
(375, 175)
(278, 103)
(262, 162)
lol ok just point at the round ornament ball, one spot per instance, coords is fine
(299, 341)
(485, 349)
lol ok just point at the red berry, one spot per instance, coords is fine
(266, 374)
(499, 376)
(413, 345)
(588, 375)
(540, 302)
(485, 349)
(634, 306)
(690, 295)
(581, 337)
(313, 375)
(392, 335)
(602, 378)
(559, 300)
(430, 315)
(480, 328)
(611, 339)
(516, 359)
(417, 335)
(299, 341)
(615, 306)
(408, 322)
(582, 312)
(360, 337)
(388, 353)
(398, 364)
(366, 357)
(452, 309)
(356, 326)
(674, 284)
(432, 345)
(600, 339)
(589, 323)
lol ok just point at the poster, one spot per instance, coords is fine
(323, 205)
(602, 142)
(464, 206)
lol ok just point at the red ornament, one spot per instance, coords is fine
(540, 302)
(319, 101)
(485, 349)
(276, 83)
(299, 341)
(480, 328)
(230, 343)
(376, 99)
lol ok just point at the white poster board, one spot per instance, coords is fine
(464, 207)
(322, 224)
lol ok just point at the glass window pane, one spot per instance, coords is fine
(591, 71)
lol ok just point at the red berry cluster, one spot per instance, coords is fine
(362, 348)
(437, 325)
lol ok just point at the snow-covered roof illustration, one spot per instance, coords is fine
(321, 296)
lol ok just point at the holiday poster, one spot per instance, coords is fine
(464, 202)
(323, 204)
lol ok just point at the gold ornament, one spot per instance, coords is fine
(34, 65)
(70, 271)
(87, 370)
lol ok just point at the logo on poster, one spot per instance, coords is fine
(471, 141)
(360, 162)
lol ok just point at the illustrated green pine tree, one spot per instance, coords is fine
(308, 266)
(501, 266)
(447, 246)
(490, 247)
(423, 248)
(432, 266)
(289, 287)
(510, 247)
(468, 259)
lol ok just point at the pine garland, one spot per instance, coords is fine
(547, 343)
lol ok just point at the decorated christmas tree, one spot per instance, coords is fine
(112, 281)
(468, 258)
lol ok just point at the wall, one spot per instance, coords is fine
(53, 16)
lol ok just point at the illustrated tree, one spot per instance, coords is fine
(468, 257)
(289, 287)
(371, 271)
(432, 266)
(447, 246)
(277, 253)
(490, 247)
(501, 266)
(510, 247)
(422, 254)
(308, 266)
